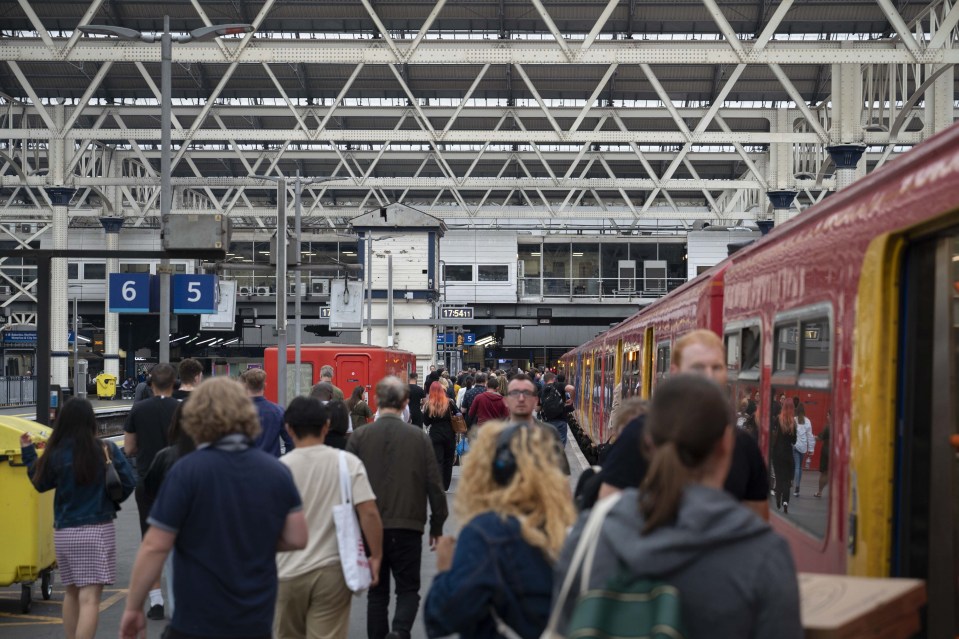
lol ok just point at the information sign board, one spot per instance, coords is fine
(129, 292)
(457, 312)
(194, 294)
(469, 339)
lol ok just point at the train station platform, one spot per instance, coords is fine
(99, 406)
(44, 620)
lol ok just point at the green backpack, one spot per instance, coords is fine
(627, 607)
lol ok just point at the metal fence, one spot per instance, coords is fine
(596, 288)
(18, 391)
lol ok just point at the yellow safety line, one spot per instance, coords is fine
(112, 599)
(31, 617)
(38, 623)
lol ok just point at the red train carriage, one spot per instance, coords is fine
(630, 356)
(852, 310)
(353, 365)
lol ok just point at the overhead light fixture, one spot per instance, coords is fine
(232, 341)
(577, 255)
(535, 254)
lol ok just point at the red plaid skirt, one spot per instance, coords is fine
(87, 555)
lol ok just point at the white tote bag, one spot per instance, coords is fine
(356, 566)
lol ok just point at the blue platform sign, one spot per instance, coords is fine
(194, 294)
(19, 337)
(129, 292)
(469, 339)
(451, 338)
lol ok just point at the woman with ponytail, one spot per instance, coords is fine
(734, 575)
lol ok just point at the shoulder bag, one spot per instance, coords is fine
(626, 607)
(112, 483)
(457, 421)
(349, 541)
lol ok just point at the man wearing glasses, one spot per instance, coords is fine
(522, 398)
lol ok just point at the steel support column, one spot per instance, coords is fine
(60, 199)
(111, 322)
(846, 136)
(940, 106)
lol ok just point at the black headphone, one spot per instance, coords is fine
(504, 462)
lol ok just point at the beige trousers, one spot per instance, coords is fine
(315, 605)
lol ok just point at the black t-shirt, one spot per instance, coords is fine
(416, 396)
(625, 467)
(181, 394)
(150, 421)
(747, 479)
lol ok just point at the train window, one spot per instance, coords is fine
(816, 346)
(742, 360)
(787, 341)
(73, 271)
(631, 373)
(751, 349)
(801, 420)
(733, 341)
(662, 360)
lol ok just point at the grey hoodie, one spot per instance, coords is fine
(735, 576)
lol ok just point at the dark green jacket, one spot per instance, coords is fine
(401, 466)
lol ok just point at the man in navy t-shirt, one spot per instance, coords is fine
(227, 508)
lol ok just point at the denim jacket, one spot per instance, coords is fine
(75, 504)
(493, 568)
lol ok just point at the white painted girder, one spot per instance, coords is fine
(440, 137)
(422, 183)
(473, 52)
(442, 210)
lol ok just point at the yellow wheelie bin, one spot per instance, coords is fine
(106, 386)
(26, 516)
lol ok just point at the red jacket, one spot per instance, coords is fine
(487, 406)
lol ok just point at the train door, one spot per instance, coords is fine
(926, 535)
(647, 367)
(352, 370)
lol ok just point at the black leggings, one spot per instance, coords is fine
(444, 446)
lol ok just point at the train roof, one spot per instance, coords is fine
(331, 346)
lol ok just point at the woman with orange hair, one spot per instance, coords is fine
(438, 416)
(782, 430)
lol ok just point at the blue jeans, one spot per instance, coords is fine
(561, 427)
(797, 461)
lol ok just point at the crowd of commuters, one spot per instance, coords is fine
(239, 502)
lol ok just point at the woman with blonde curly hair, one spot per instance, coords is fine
(515, 506)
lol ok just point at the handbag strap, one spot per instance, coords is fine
(346, 489)
(502, 627)
(106, 453)
(583, 557)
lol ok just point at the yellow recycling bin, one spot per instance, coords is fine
(106, 386)
(26, 516)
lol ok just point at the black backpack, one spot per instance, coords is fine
(553, 403)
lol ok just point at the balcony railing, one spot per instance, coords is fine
(18, 391)
(595, 287)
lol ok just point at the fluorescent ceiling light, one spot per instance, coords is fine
(536, 254)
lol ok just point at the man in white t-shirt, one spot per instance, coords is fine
(313, 599)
